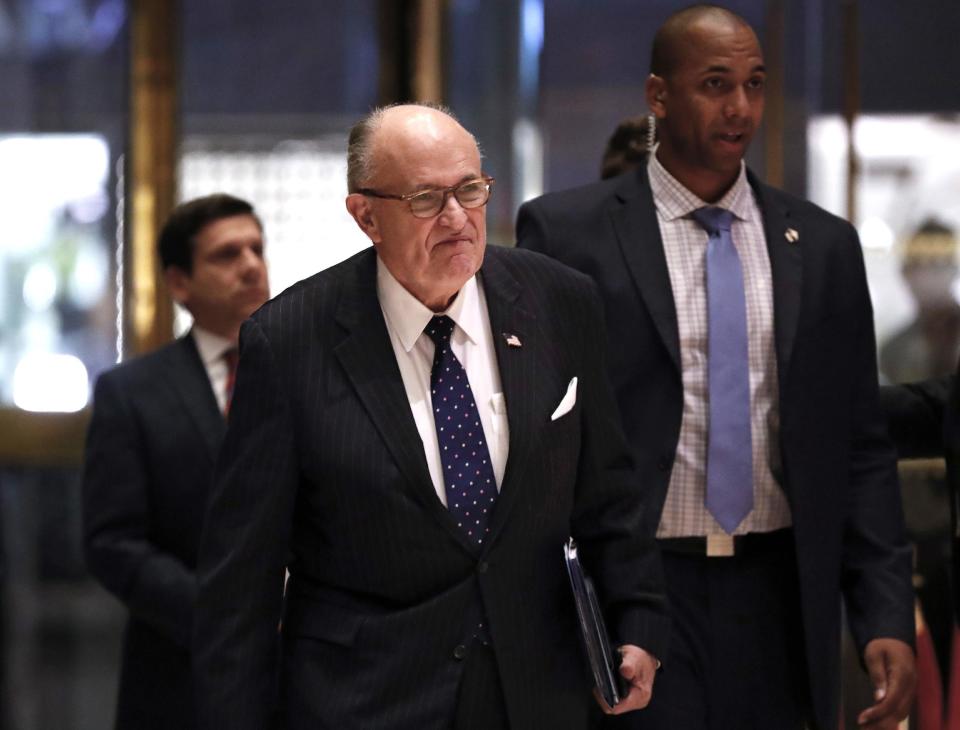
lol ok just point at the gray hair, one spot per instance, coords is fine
(360, 166)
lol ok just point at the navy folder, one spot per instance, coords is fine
(604, 660)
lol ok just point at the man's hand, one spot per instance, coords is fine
(639, 669)
(890, 664)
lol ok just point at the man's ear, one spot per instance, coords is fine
(177, 284)
(655, 90)
(362, 212)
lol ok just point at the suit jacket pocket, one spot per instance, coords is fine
(323, 621)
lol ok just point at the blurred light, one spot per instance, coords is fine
(46, 382)
(31, 199)
(90, 209)
(39, 287)
(89, 276)
(876, 234)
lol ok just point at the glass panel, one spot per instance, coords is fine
(272, 127)
(62, 134)
(63, 131)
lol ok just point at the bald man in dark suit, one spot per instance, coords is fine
(417, 432)
(755, 595)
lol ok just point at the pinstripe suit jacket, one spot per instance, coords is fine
(323, 471)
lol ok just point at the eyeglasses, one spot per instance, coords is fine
(428, 203)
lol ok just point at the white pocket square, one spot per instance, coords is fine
(569, 399)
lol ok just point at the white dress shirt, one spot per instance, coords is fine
(685, 246)
(471, 342)
(211, 348)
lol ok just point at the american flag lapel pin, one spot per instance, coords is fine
(512, 340)
(791, 235)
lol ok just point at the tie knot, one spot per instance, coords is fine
(439, 329)
(231, 357)
(713, 220)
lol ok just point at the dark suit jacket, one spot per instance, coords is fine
(151, 450)
(838, 467)
(924, 421)
(323, 470)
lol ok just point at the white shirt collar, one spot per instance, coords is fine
(210, 346)
(674, 200)
(408, 316)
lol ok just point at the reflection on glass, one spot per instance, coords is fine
(54, 269)
(908, 174)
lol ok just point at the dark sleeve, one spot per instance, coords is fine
(876, 560)
(914, 413)
(244, 549)
(532, 228)
(156, 586)
(614, 522)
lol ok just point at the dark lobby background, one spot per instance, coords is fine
(265, 92)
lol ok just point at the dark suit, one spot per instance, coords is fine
(323, 470)
(924, 420)
(838, 469)
(151, 450)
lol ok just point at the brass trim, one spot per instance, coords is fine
(428, 82)
(42, 439)
(148, 312)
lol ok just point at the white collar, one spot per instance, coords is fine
(210, 346)
(408, 316)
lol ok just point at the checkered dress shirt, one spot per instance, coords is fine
(684, 243)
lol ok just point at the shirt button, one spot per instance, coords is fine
(459, 652)
(483, 567)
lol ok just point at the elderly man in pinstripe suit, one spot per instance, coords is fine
(415, 433)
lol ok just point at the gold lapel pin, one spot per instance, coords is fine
(512, 340)
(791, 235)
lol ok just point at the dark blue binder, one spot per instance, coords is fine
(604, 660)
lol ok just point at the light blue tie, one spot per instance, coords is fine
(729, 444)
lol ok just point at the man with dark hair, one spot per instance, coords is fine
(157, 426)
(743, 359)
(627, 147)
(418, 431)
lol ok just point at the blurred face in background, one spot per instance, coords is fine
(228, 282)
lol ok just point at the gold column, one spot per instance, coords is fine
(148, 313)
(427, 67)
(411, 34)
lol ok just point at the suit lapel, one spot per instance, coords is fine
(370, 364)
(638, 234)
(518, 367)
(786, 266)
(187, 375)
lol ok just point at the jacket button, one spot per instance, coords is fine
(665, 463)
(483, 567)
(460, 652)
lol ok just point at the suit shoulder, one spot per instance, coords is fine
(576, 200)
(143, 367)
(532, 268)
(808, 211)
(314, 294)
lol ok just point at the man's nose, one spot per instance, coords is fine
(737, 103)
(252, 263)
(452, 214)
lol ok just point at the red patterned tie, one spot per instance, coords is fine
(231, 357)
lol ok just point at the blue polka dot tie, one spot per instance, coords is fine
(467, 471)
